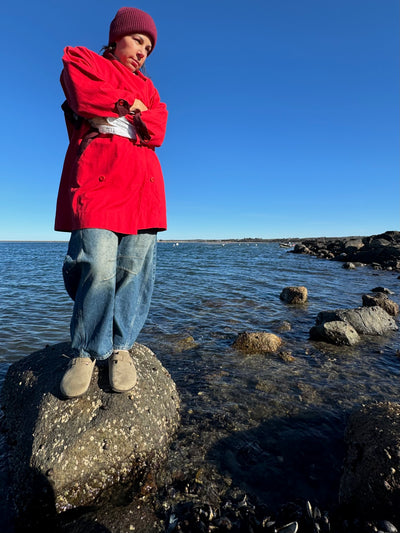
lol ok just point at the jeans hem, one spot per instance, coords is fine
(103, 357)
(83, 353)
(128, 347)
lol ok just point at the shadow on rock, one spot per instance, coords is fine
(41, 515)
(285, 459)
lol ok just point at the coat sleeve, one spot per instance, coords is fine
(86, 88)
(155, 120)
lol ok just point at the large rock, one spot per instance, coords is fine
(257, 342)
(381, 299)
(353, 245)
(382, 289)
(365, 320)
(335, 332)
(301, 249)
(294, 295)
(64, 453)
(370, 483)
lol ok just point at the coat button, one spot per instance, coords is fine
(152, 179)
(101, 178)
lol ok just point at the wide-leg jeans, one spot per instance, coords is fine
(110, 277)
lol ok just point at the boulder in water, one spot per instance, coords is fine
(294, 295)
(335, 332)
(381, 299)
(365, 320)
(257, 342)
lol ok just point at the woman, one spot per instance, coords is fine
(111, 198)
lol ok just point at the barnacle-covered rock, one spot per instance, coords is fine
(64, 453)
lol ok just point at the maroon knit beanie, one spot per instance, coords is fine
(132, 20)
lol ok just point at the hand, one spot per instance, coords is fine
(138, 104)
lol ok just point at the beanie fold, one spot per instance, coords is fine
(132, 20)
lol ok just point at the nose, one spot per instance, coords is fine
(140, 54)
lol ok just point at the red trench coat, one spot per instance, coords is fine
(114, 183)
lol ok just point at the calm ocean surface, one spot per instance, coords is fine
(209, 291)
(212, 292)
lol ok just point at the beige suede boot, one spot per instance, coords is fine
(122, 372)
(77, 378)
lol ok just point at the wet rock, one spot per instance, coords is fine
(335, 332)
(285, 326)
(353, 265)
(301, 249)
(294, 295)
(382, 289)
(386, 526)
(381, 299)
(324, 253)
(181, 344)
(365, 320)
(370, 484)
(287, 357)
(257, 342)
(65, 453)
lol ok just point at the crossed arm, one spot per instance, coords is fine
(90, 94)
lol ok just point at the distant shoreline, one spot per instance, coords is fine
(209, 241)
(254, 240)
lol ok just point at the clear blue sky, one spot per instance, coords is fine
(283, 114)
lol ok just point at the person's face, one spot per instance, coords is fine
(132, 50)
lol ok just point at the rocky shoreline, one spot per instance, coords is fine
(379, 251)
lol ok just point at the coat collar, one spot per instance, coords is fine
(109, 55)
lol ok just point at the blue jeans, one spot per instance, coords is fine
(110, 277)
